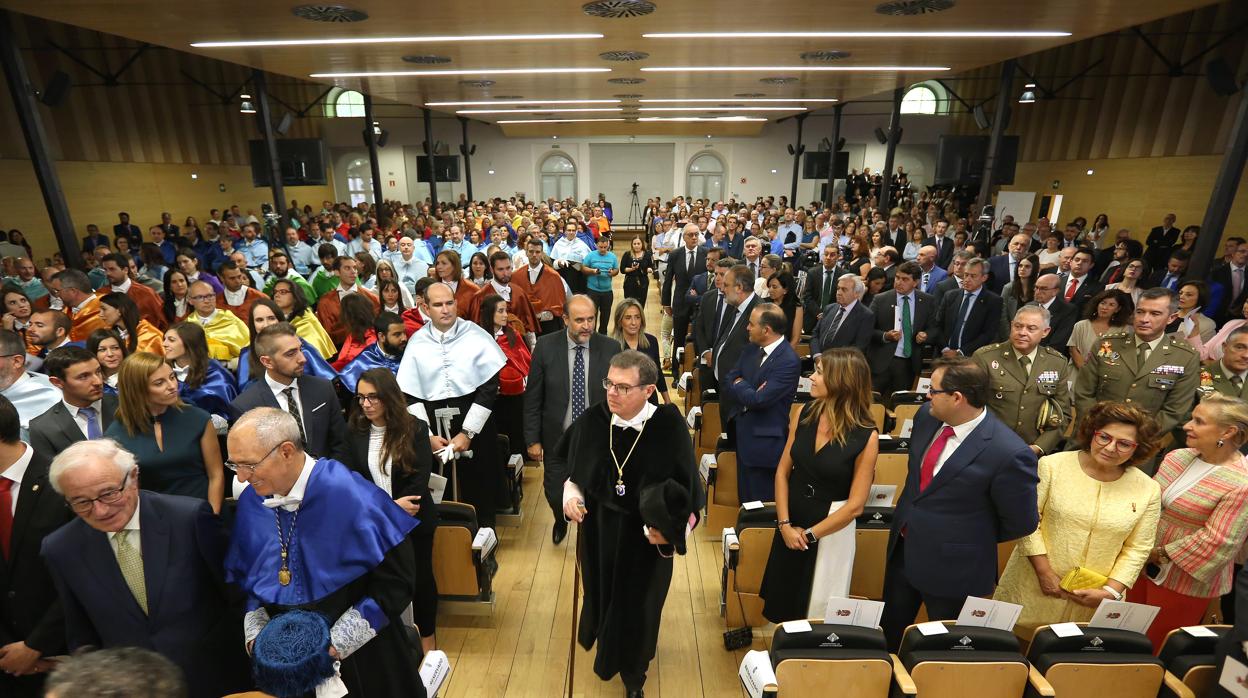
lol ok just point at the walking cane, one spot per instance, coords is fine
(576, 603)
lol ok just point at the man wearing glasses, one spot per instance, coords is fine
(634, 490)
(143, 569)
(227, 334)
(1062, 315)
(312, 535)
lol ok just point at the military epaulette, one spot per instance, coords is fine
(1116, 335)
(1053, 352)
(1182, 344)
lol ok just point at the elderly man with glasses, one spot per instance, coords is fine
(312, 535)
(143, 569)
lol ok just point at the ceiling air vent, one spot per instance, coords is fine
(540, 113)
(785, 80)
(626, 81)
(627, 96)
(750, 95)
(624, 56)
(329, 13)
(902, 8)
(477, 83)
(618, 9)
(731, 106)
(827, 56)
(508, 97)
(427, 59)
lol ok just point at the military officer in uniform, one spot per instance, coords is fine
(1228, 375)
(1156, 372)
(1029, 383)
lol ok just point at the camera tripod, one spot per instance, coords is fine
(634, 209)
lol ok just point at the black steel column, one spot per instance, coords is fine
(1224, 187)
(265, 115)
(23, 95)
(370, 137)
(797, 158)
(836, 139)
(999, 117)
(894, 134)
(466, 150)
(433, 175)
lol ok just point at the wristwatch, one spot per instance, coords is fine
(1113, 592)
(810, 537)
(469, 433)
(782, 523)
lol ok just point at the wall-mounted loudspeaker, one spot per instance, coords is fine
(881, 136)
(1221, 77)
(382, 138)
(284, 125)
(981, 118)
(54, 91)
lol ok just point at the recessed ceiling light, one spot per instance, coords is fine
(701, 118)
(708, 135)
(773, 171)
(474, 71)
(553, 121)
(554, 138)
(793, 68)
(349, 40)
(1091, 172)
(489, 171)
(755, 100)
(194, 176)
(864, 35)
(722, 109)
(528, 111)
(522, 101)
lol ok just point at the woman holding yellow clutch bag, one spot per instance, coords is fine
(1098, 521)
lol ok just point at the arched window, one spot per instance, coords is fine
(919, 99)
(345, 104)
(359, 181)
(558, 175)
(706, 177)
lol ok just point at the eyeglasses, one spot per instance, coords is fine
(937, 391)
(203, 297)
(621, 388)
(82, 506)
(251, 467)
(1122, 445)
(369, 398)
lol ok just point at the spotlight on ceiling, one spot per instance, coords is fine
(1029, 94)
(246, 107)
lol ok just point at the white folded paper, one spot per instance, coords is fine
(1234, 678)
(881, 495)
(858, 612)
(907, 426)
(434, 671)
(751, 506)
(729, 539)
(925, 386)
(1199, 631)
(987, 613)
(1066, 629)
(796, 626)
(932, 627)
(803, 384)
(485, 540)
(691, 418)
(683, 383)
(756, 673)
(437, 487)
(1123, 615)
(704, 465)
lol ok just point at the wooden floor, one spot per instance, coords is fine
(520, 650)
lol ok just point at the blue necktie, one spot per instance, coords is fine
(93, 422)
(957, 326)
(578, 383)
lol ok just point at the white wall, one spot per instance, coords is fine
(515, 160)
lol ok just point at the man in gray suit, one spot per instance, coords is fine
(902, 316)
(83, 412)
(565, 377)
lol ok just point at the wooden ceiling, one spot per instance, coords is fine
(179, 23)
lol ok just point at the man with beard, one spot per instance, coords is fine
(384, 353)
(451, 367)
(545, 289)
(48, 330)
(237, 297)
(520, 312)
(279, 268)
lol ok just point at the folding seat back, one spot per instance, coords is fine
(965, 661)
(853, 660)
(1100, 663)
(871, 532)
(1192, 660)
(747, 563)
(463, 554)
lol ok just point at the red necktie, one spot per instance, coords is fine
(1070, 290)
(933, 455)
(6, 515)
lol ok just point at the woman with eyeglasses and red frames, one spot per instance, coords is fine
(1098, 514)
(1204, 517)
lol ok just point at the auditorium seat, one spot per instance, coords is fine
(1191, 660)
(707, 429)
(892, 469)
(966, 661)
(463, 554)
(745, 565)
(854, 660)
(1099, 663)
(878, 413)
(721, 493)
(871, 552)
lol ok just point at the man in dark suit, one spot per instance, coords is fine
(707, 322)
(84, 411)
(902, 317)
(1233, 279)
(1001, 268)
(127, 229)
(314, 405)
(733, 339)
(971, 485)
(550, 405)
(895, 235)
(969, 319)
(942, 242)
(32, 625)
(1080, 286)
(820, 289)
(682, 265)
(848, 322)
(1062, 315)
(1171, 274)
(143, 569)
(763, 383)
(1160, 241)
(953, 278)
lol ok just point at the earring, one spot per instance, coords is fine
(1220, 443)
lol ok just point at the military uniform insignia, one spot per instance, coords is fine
(1107, 350)
(996, 365)
(1206, 383)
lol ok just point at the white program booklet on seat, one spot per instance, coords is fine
(756, 672)
(1123, 615)
(986, 613)
(858, 612)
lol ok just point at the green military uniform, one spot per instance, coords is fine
(1016, 396)
(1214, 378)
(1164, 386)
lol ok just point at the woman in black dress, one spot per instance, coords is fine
(637, 267)
(629, 329)
(822, 483)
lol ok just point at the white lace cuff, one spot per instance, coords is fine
(571, 491)
(253, 623)
(350, 632)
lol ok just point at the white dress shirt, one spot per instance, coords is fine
(81, 419)
(771, 347)
(136, 542)
(960, 433)
(897, 308)
(278, 395)
(16, 471)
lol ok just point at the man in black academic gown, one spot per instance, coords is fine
(451, 367)
(311, 534)
(635, 500)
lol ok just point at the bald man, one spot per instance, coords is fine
(227, 334)
(1062, 315)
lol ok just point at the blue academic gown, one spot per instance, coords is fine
(215, 394)
(371, 357)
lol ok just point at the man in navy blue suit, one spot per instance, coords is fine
(143, 569)
(763, 382)
(971, 485)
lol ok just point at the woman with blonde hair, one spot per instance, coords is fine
(1098, 519)
(822, 482)
(1204, 517)
(174, 443)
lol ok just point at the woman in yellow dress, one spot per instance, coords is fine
(1097, 511)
